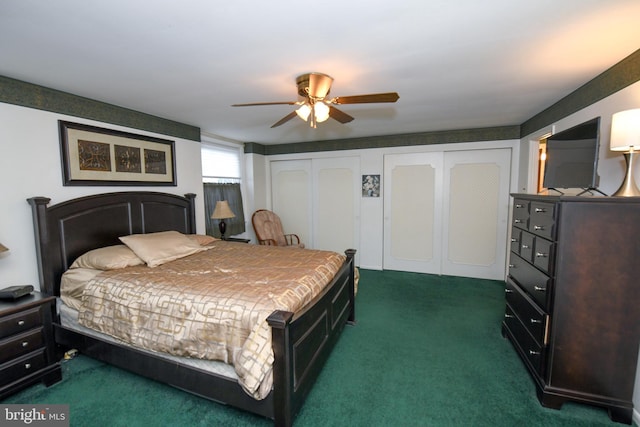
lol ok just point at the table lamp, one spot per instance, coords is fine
(625, 137)
(222, 211)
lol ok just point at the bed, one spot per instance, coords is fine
(301, 341)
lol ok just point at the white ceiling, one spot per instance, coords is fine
(456, 64)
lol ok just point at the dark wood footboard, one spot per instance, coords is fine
(302, 343)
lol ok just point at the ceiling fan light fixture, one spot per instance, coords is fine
(304, 111)
(314, 104)
(321, 111)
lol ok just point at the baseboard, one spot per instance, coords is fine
(369, 267)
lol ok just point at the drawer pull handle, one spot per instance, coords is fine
(536, 321)
(514, 240)
(508, 291)
(517, 221)
(540, 210)
(525, 246)
(25, 344)
(508, 316)
(538, 227)
(534, 353)
(20, 322)
(519, 206)
(27, 366)
(512, 266)
(540, 288)
(541, 255)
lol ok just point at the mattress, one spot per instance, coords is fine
(69, 320)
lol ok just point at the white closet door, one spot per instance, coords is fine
(412, 213)
(336, 204)
(476, 208)
(291, 189)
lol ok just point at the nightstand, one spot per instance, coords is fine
(27, 349)
(236, 239)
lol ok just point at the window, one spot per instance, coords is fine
(222, 178)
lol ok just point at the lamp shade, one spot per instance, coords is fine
(3, 248)
(304, 111)
(625, 130)
(222, 210)
(321, 111)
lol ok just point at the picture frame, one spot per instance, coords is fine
(370, 185)
(94, 156)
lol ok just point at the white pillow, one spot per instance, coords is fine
(108, 258)
(157, 248)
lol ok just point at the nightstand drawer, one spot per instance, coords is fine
(18, 345)
(22, 367)
(20, 322)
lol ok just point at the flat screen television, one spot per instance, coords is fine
(572, 157)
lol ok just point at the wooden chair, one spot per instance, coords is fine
(269, 230)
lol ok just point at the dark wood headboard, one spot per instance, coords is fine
(65, 231)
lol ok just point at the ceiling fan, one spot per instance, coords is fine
(315, 104)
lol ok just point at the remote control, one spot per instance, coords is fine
(15, 292)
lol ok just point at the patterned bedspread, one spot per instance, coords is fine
(210, 305)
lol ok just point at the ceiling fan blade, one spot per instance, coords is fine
(338, 115)
(265, 103)
(365, 99)
(319, 85)
(285, 119)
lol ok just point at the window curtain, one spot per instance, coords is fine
(230, 192)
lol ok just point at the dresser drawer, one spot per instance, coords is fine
(516, 235)
(521, 213)
(523, 341)
(542, 219)
(22, 367)
(526, 246)
(533, 281)
(544, 255)
(18, 345)
(534, 319)
(20, 322)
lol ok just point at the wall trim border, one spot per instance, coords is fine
(403, 140)
(617, 77)
(30, 95)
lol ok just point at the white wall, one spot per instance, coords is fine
(30, 165)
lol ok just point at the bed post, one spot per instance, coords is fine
(282, 368)
(191, 197)
(40, 228)
(350, 253)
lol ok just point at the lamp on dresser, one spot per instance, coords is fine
(3, 248)
(222, 211)
(625, 137)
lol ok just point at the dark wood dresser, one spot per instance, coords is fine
(573, 298)
(27, 352)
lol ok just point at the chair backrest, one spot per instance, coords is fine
(267, 226)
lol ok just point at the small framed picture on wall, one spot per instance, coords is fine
(370, 185)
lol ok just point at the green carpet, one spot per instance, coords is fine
(426, 351)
